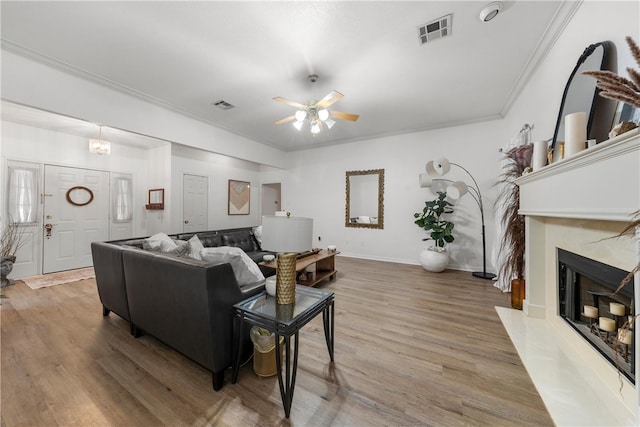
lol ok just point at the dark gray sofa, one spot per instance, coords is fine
(182, 302)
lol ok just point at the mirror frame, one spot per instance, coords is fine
(600, 107)
(380, 174)
(156, 206)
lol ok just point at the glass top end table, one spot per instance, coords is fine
(284, 320)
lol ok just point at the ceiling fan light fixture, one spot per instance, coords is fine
(315, 128)
(329, 123)
(301, 115)
(323, 114)
(298, 124)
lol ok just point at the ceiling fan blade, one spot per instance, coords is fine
(285, 120)
(329, 99)
(289, 102)
(344, 116)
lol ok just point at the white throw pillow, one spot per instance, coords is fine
(245, 270)
(153, 243)
(175, 247)
(195, 247)
(257, 232)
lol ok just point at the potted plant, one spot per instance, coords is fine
(9, 245)
(436, 258)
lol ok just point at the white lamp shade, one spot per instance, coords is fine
(329, 123)
(438, 168)
(300, 115)
(323, 115)
(298, 125)
(315, 127)
(282, 234)
(457, 190)
(425, 180)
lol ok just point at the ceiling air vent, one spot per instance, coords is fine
(435, 29)
(223, 105)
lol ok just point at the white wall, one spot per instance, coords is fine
(219, 170)
(315, 187)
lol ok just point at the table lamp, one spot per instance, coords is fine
(287, 236)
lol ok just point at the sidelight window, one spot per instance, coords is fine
(23, 190)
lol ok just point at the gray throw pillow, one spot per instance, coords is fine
(245, 270)
(153, 243)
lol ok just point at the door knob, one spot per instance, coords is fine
(186, 221)
(47, 229)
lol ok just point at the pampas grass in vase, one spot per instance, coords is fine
(513, 241)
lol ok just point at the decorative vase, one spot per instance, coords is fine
(434, 259)
(286, 278)
(517, 293)
(6, 265)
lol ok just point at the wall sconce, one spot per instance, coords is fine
(455, 190)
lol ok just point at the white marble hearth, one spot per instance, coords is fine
(577, 204)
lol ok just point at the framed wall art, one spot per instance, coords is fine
(239, 197)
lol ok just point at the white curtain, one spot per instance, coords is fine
(123, 200)
(23, 189)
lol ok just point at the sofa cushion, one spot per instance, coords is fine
(153, 243)
(245, 270)
(240, 239)
(211, 240)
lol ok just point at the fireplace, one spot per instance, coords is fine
(588, 301)
(580, 204)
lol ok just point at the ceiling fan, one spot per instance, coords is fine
(315, 112)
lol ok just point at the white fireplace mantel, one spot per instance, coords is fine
(579, 204)
(602, 182)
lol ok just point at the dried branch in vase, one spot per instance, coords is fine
(619, 88)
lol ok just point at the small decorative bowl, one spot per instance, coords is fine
(332, 248)
(268, 258)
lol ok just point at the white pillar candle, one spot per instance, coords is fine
(607, 324)
(625, 336)
(590, 312)
(540, 154)
(617, 309)
(575, 133)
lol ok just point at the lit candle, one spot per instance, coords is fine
(607, 324)
(617, 309)
(590, 312)
(575, 132)
(625, 336)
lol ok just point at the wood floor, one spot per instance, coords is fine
(412, 348)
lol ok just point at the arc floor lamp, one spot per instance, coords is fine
(455, 190)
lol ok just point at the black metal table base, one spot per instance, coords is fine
(286, 379)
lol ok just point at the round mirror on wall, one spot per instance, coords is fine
(581, 94)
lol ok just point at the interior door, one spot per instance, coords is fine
(76, 213)
(195, 202)
(270, 198)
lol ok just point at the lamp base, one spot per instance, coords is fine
(484, 275)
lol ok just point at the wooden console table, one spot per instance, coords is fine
(324, 262)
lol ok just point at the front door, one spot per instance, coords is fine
(76, 213)
(195, 203)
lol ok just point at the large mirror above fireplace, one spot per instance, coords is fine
(581, 94)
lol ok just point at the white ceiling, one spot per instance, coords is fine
(187, 55)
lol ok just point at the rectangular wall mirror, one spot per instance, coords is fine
(156, 199)
(365, 199)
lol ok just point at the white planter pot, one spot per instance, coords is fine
(434, 260)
